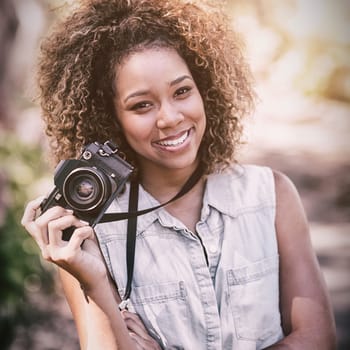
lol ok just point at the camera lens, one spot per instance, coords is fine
(86, 189)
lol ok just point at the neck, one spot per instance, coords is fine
(162, 183)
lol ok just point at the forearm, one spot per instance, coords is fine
(96, 314)
(105, 325)
(306, 340)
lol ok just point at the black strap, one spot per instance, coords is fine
(197, 174)
(132, 215)
(131, 237)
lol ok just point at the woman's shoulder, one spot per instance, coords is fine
(255, 173)
(284, 185)
(237, 170)
(260, 181)
(246, 175)
(290, 209)
(242, 186)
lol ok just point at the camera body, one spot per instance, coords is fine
(89, 184)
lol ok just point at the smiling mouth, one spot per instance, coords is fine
(174, 142)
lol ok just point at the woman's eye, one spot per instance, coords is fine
(182, 91)
(141, 106)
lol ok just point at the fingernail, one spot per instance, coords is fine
(69, 211)
(84, 222)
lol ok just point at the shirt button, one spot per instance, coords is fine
(212, 248)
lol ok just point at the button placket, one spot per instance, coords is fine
(207, 295)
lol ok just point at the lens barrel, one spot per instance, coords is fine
(86, 189)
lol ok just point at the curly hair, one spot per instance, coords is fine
(77, 68)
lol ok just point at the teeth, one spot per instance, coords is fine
(176, 142)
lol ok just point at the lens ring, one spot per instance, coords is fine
(85, 189)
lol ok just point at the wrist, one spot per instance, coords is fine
(96, 289)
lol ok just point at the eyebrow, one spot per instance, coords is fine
(172, 83)
(135, 94)
(180, 79)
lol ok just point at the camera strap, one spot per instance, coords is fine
(130, 242)
(108, 217)
(132, 215)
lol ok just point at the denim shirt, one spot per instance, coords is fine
(217, 288)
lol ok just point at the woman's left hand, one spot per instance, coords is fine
(138, 332)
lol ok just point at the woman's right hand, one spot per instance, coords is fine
(138, 332)
(80, 256)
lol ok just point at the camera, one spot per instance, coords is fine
(89, 184)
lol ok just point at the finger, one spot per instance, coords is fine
(144, 344)
(56, 227)
(92, 246)
(133, 318)
(30, 211)
(134, 324)
(28, 221)
(137, 340)
(51, 214)
(65, 254)
(37, 235)
(82, 233)
(138, 331)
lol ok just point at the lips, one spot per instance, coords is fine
(174, 141)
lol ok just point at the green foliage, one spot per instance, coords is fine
(21, 270)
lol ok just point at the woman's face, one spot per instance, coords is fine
(160, 109)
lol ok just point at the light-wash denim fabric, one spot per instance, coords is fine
(232, 303)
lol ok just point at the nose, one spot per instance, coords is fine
(168, 116)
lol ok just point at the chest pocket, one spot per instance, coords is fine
(254, 300)
(163, 309)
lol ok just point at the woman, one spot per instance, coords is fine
(229, 265)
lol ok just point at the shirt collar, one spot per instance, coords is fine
(219, 194)
(221, 191)
(146, 201)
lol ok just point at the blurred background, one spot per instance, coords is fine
(299, 51)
